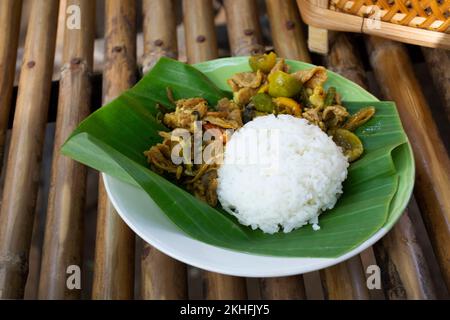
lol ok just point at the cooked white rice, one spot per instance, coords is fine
(280, 172)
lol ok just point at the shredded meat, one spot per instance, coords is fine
(314, 115)
(247, 80)
(223, 123)
(280, 66)
(157, 156)
(232, 109)
(243, 96)
(234, 87)
(205, 188)
(312, 78)
(317, 97)
(334, 116)
(200, 179)
(210, 179)
(186, 113)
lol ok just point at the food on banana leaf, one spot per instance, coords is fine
(263, 62)
(359, 118)
(301, 94)
(282, 84)
(349, 142)
(296, 103)
(199, 178)
(263, 102)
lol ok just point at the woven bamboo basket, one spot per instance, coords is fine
(420, 22)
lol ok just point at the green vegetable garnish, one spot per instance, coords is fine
(263, 62)
(263, 102)
(330, 98)
(282, 84)
(359, 118)
(349, 142)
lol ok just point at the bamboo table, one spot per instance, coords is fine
(414, 257)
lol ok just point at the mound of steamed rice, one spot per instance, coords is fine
(280, 172)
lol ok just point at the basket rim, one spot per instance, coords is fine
(415, 16)
(324, 18)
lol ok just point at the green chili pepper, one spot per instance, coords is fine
(330, 97)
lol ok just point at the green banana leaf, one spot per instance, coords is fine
(113, 139)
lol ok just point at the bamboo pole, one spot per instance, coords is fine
(438, 61)
(342, 59)
(289, 43)
(22, 173)
(64, 225)
(200, 34)
(282, 288)
(114, 250)
(405, 272)
(160, 31)
(244, 34)
(244, 31)
(217, 286)
(394, 71)
(10, 12)
(161, 276)
(345, 280)
(286, 27)
(332, 277)
(222, 287)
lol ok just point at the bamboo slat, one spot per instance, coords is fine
(22, 173)
(394, 72)
(200, 34)
(217, 286)
(332, 277)
(161, 276)
(282, 288)
(342, 59)
(286, 28)
(438, 62)
(289, 43)
(406, 274)
(160, 31)
(345, 280)
(244, 31)
(63, 232)
(10, 12)
(222, 287)
(114, 250)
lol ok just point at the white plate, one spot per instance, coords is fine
(145, 218)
